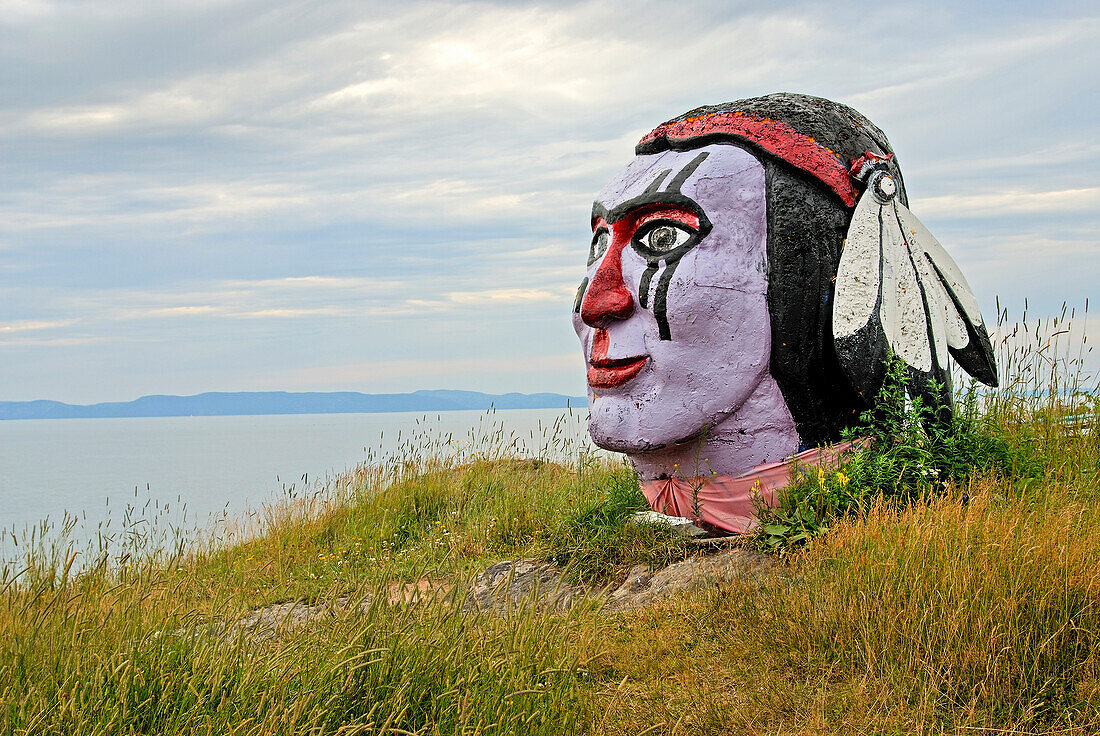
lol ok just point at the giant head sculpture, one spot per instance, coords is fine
(751, 272)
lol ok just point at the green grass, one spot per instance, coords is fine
(966, 607)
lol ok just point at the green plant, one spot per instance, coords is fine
(596, 537)
(913, 449)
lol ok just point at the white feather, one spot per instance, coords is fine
(921, 239)
(941, 312)
(857, 278)
(902, 309)
(892, 268)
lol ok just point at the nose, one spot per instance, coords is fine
(607, 297)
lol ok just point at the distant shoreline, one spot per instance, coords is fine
(258, 403)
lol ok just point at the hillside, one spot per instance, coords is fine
(281, 402)
(943, 580)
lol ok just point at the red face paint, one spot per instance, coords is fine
(644, 215)
(607, 296)
(604, 372)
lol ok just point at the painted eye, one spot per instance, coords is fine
(662, 238)
(600, 242)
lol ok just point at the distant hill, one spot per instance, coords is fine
(281, 402)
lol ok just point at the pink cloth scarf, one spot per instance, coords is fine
(729, 502)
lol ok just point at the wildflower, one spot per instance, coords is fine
(841, 478)
(821, 477)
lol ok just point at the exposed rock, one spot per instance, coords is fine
(270, 621)
(642, 586)
(507, 585)
(514, 583)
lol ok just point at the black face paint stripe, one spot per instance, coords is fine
(580, 296)
(678, 181)
(652, 195)
(643, 286)
(657, 182)
(660, 301)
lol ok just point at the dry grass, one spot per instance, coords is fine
(943, 616)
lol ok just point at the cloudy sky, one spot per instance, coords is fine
(265, 195)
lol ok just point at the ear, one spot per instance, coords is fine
(897, 290)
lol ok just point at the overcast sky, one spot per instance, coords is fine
(232, 195)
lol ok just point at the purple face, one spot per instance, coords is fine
(673, 316)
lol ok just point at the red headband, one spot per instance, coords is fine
(774, 136)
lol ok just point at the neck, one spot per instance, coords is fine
(760, 431)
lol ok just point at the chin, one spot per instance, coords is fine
(617, 423)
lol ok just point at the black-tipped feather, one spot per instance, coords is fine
(898, 291)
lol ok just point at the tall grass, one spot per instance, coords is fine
(969, 606)
(118, 662)
(936, 618)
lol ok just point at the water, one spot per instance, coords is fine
(191, 472)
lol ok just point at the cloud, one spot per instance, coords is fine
(53, 342)
(236, 180)
(275, 301)
(1065, 201)
(506, 296)
(32, 325)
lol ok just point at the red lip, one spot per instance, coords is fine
(612, 373)
(605, 372)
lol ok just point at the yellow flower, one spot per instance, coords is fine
(841, 478)
(821, 477)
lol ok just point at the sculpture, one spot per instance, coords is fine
(718, 345)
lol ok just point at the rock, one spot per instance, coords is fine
(679, 525)
(271, 621)
(512, 584)
(642, 587)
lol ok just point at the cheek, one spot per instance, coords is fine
(719, 328)
(580, 327)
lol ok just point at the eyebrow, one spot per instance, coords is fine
(670, 195)
(616, 213)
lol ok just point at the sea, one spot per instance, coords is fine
(86, 483)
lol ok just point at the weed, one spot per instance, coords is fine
(595, 538)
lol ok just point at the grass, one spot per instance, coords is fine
(971, 606)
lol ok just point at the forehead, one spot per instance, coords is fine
(685, 172)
